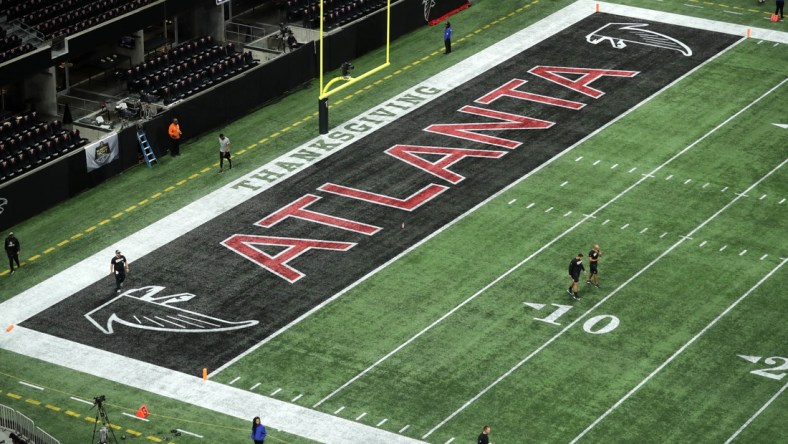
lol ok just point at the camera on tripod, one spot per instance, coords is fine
(346, 68)
(99, 399)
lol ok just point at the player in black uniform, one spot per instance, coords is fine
(593, 262)
(119, 266)
(575, 268)
(484, 438)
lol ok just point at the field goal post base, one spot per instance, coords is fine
(322, 115)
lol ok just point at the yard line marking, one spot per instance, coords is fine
(530, 205)
(762, 197)
(723, 247)
(449, 441)
(543, 247)
(643, 230)
(663, 235)
(702, 243)
(31, 385)
(382, 422)
(603, 300)
(190, 433)
(632, 170)
(512, 201)
(687, 181)
(235, 380)
(624, 226)
(686, 237)
(764, 256)
(565, 182)
(606, 221)
(614, 166)
(589, 216)
(693, 6)
(732, 12)
(297, 397)
(597, 162)
(361, 416)
(669, 177)
(567, 213)
(743, 252)
(339, 410)
(548, 210)
(254, 386)
(404, 428)
(135, 416)
(647, 175)
(578, 159)
(742, 194)
(82, 401)
(681, 350)
(760, 410)
(276, 391)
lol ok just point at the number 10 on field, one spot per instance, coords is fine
(596, 326)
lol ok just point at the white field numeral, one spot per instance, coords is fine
(771, 372)
(590, 325)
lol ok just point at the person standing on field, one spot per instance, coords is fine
(175, 134)
(12, 249)
(447, 37)
(258, 431)
(593, 262)
(575, 268)
(224, 152)
(119, 266)
(484, 438)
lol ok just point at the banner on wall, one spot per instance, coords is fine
(436, 11)
(101, 153)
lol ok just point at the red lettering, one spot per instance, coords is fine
(450, 156)
(298, 210)
(580, 85)
(244, 245)
(415, 200)
(512, 122)
(510, 90)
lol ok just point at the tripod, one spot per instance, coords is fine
(101, 415)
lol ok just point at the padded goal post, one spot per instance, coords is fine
(326, 89)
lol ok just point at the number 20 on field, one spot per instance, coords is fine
(596, 326)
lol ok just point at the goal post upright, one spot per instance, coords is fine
(325, 91)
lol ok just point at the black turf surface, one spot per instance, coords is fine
(230, 287)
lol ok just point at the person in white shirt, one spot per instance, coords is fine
(224, 152)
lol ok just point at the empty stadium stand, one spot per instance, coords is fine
(337, 12)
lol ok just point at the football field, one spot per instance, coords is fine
(423, 293)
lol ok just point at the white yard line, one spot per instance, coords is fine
(602, 301)
(752, 418)
(678, 352)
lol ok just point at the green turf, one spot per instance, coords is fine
(703, 396)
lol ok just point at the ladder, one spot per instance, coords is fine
(147, 151)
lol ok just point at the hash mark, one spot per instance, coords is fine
(742, 253)
(382, 422)
(705, 185)
(297, 397)
(449, 441)
(723, 247)
(512, 201)
(687, 181)
(530, 205)
(606, 221)
(404, 428)
(764, 256)
(780, 203)
(723, 190)
(762, 197)
(578, 159)
(625, 225)
(669, 177)
(548, 210)
(663, 235)
(565, 182)
(597, 162)
(568, 213)
(614, 167)
(702, 244)
(254, 386)
(235, 380)
(361, 416)
(643, 230)
(632, 170)
(339, 409)
(276, 391)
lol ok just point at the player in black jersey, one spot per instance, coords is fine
(575, 268)
(593, 262)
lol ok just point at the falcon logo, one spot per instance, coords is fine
(619, 34)
(103, 153)
(140, 308)
(428, 4)
(3, 202)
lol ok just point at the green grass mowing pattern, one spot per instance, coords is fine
(165, 414)
(436, 350)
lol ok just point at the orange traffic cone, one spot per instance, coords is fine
(142, 412)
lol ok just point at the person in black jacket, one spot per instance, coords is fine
(575, 268)
(484, 438)
(12, 249)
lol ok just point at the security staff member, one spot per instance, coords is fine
(575, 267)
(119, 266)
(447, 37)
(12, 249)
(593, 262)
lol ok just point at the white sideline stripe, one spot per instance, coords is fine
(276, 391)
(235, 380)
(31, 385)
(752, 418)
(681, 350)
(82, 401)
(190, 433)
(603, 300)
(135, 417)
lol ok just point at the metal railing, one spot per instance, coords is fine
(24, 427)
